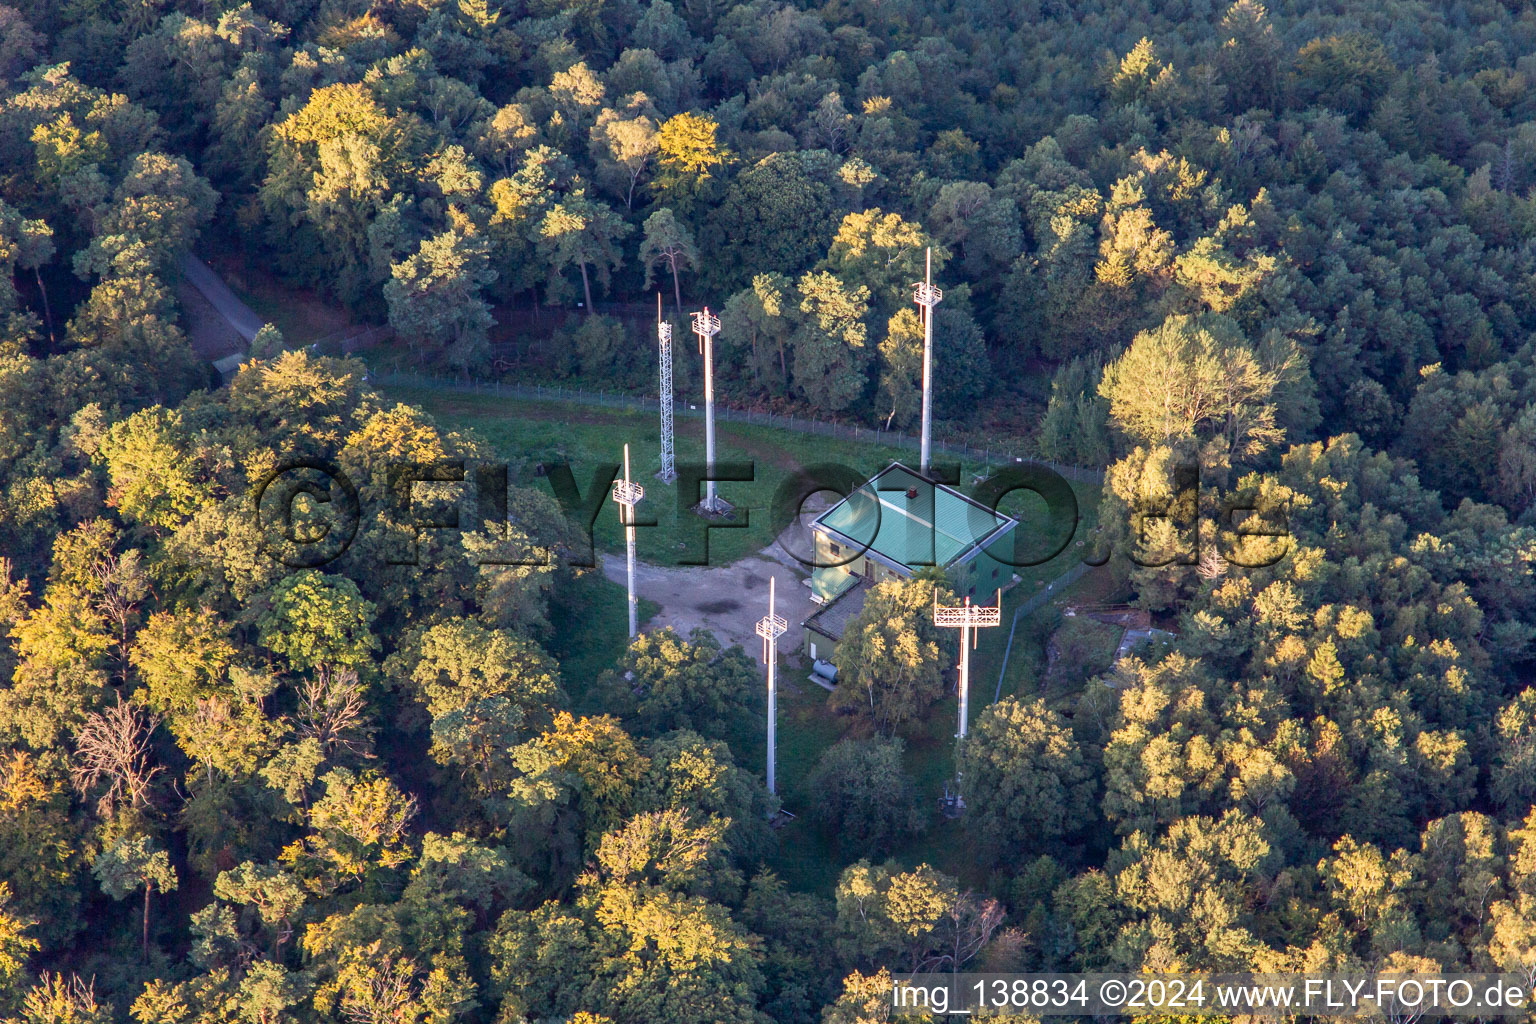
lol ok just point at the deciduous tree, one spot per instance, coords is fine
(667, 241)
(1026, 785)
(688, 154)
(687, 684)
(313, 618)
(864, 797)
(133, 863)
(890, 660)
(434, 295)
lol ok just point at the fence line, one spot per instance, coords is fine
(799, 424)
(1060, 583)
(350, 339)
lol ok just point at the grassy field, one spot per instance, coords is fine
(591, 626)
(525, 432)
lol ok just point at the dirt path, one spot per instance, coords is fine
(210, 335)
(727, 599)
(238, 315)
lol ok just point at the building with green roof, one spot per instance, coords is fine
(892, 527)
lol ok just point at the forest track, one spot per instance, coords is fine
(228, 305)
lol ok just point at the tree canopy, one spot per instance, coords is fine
(1271, 271)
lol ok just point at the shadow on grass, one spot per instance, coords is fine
(591, 631)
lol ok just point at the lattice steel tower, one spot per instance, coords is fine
(664, 340)
(927, 296)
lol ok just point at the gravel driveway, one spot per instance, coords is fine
(727, 600)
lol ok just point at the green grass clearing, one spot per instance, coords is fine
(526, 432)
(591, 631)
(590, 626)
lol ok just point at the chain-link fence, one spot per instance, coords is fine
(841, 431)
(800, 424)
(1049, 591)
(351, 339)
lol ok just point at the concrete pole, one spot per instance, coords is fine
(770, 628)
(709, 416)
(773, 693)
(628, 512)
(927, 368)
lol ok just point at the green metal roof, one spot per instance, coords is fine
(936, 526)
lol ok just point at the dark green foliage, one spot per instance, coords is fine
(863, 796)
(1027, 785)
(1293, 247)
(684, 684)
(1075, 429)
(775, 210)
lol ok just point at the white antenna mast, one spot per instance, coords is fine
(664, 338)
(628, 495)
(770, 628)
(927, 296)
(968, 618)
(706, 327)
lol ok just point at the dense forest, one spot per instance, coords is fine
(1295, 247)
